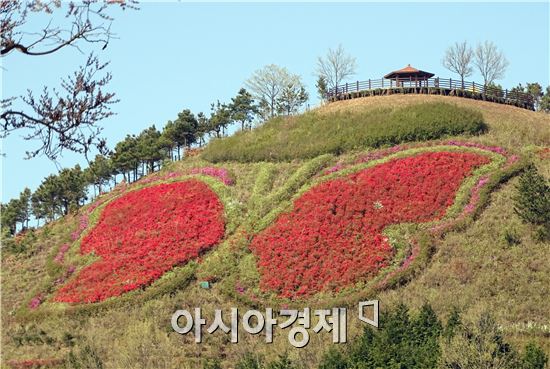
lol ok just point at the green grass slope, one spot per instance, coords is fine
(474, 268)
(320, 132)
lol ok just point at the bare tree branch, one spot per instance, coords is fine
(336, 66)
(63, 121)
(458, 59)
(89, 22)
(490, 62)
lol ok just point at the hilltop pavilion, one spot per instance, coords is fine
(410, 74)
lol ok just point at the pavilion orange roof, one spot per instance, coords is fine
(409, 71)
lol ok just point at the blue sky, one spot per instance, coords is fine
(171, 56)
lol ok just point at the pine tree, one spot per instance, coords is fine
(9, 216)
(534, 357)
(126, 158)
(453, 324)
(99, 172)
(532, 202)
(150, 150)
(24, 210)
(243, 108)
(71, 184)
(393, 344)
(478, 346)
(426, 331)
(292, 97)
(220, 118)
(322, 88)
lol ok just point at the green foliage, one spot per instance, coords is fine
(545, 101)
(453, 324)
(333, 359)
(243, 108)
(250, 361)
(16, 211)
(479, 345)
(426, 331)
(420, 341)
(212, 364)
(150, 147)
(9, 214)
(99, 171)
(203, 128)
(85, 358)
(184, 131)
(31, 335)
(282, 362)
(532, 202)
(125, 157)
(254, 361)
(312, 134)
(511, 237)
(534, 357)
(402, 341)
(71, 188)
(268, 87)
(59, 194)
(293, 96)
(497, 90)
(322, 88)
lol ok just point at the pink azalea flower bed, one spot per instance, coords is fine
(220, 173)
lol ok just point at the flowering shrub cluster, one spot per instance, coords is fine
(495, 149)
(61, 253)
(334, 168)
(333, 236)
(85, 220)
(474, 198)
(143, 234)
(70, 270)
(36, 301)
(221, 173)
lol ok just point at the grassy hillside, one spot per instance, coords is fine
(508, 126)
(474, 267)
(323, 132)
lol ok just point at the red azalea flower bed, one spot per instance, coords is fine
(333, 236)
(143, 234)
(34, 363)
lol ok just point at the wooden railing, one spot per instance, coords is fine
(443, 86)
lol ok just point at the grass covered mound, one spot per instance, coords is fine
(314, 133)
